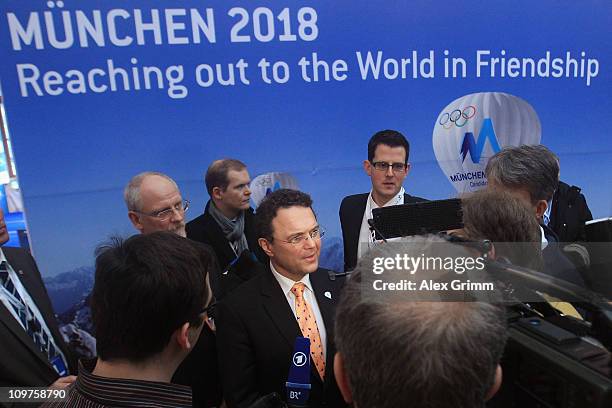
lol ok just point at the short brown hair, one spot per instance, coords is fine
(269, 206)
(507, 221)
(216, 175)
(145, 288)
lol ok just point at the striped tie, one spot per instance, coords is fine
(41, 337)
(308, 326)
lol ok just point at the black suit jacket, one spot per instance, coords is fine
(556, 264)
(256, 332)
(21, 362)
(351, 215)
(200, 370)
(205, 229)
(569, 213)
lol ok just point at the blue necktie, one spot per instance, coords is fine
(40, 336)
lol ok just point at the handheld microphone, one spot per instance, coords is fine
(298, 381)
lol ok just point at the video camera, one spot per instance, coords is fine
(551, 360)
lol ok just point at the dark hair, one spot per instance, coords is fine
(534, 168)
(504, 219)
(145, 288)
(401, 352)
(269, 206)
(391, 138)
(216, 175)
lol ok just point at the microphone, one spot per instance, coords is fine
(298, 381)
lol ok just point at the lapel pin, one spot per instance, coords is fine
(327, 295)
(20, 272)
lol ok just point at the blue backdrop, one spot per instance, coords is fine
(77, 141)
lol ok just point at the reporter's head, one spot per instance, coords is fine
(394, 351)
(150, 293)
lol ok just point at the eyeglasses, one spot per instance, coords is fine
(384, 166)
(316, 234)
(165, 214)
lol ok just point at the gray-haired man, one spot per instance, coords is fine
(155, 203)
(531, 173)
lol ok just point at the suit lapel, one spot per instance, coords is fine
(326, 294)
(326, 298)
(249, 230)
(7, 319)
(35, 293)
(276, 306)
(355, 227)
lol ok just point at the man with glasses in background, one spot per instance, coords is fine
(155, 203)
(258, 322)
(387, 166)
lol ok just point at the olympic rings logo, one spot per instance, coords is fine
(457, 117)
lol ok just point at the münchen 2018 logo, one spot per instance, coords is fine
(459, 118)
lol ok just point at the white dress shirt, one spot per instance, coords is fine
(365, 234)
(286, 284)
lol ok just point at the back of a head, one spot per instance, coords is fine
(531, 167)
(502, 218)
(403, 353)
(391, 138)
(216, 174)
(145, 288)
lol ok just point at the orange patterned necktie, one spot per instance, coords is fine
(308, 325)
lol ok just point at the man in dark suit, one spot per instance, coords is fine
(257, 323)
(32, 351)
(227, 224)
(531, 174)
(387, 166)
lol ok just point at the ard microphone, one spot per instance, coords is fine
(298, 381)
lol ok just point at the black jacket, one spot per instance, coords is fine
(200, 370)
(351, 215)
(239, 267)
(569, 213)
(205, 229)
(556, 264)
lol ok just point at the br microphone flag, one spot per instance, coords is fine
(298, 381)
